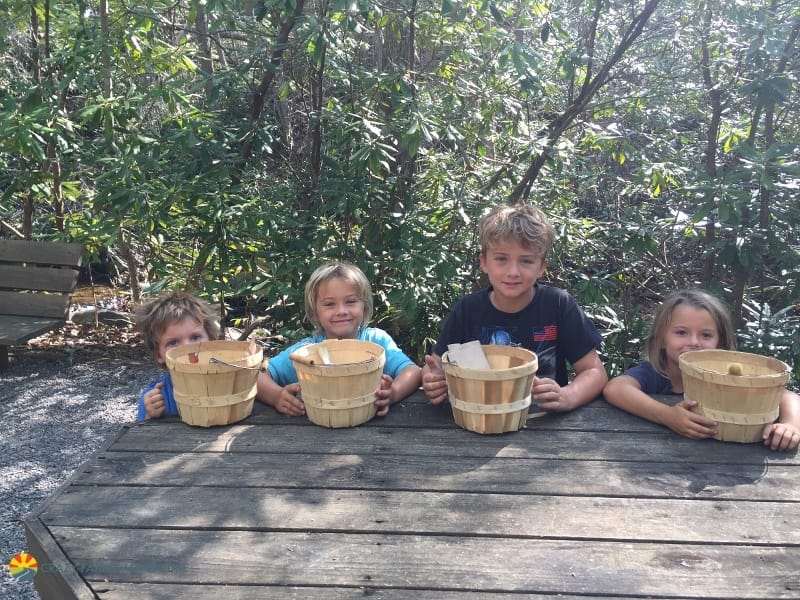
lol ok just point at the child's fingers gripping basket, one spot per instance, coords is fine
(214, 382)
(739, 390)
(338, 380)
(494, 400)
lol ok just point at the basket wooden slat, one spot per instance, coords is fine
(338, 380)
(492, 400)
(741, 404)
(213, 393)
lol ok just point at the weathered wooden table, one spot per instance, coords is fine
(591, 503)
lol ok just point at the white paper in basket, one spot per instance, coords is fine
(469, 355)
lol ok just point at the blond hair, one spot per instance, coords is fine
(352, 275)
(153, 318)
(523, 223)
(698, 299)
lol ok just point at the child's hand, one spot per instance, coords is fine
(383, 396)
(548, 395)
(434, 383)
(154, 402)
(287, 402)
(685, 421)
(781, 436)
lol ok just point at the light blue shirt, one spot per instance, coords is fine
(283, 372)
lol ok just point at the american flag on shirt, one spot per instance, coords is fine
(548, 333)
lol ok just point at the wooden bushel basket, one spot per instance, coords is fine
(740, 404)
(338, 380)
(214, 382)
(492, 400)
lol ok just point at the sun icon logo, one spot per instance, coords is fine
(23, 566)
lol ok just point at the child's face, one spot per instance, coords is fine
(340, 309)
(512, 269)
(181, 332)
(690, 329)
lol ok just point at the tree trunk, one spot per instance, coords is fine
(28, 201)
(406, 164)
(710, 163)
(260, 95)
(317, 99)
(27, 216)
(203, 41)
(128, 256)
(204, 46)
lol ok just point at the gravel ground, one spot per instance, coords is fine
(56, 409)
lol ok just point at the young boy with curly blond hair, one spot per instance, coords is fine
(170, 321)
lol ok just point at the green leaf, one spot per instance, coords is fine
(188, 63)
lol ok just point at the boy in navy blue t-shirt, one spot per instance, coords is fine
(516, 310)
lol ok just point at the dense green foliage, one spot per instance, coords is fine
(231, 147)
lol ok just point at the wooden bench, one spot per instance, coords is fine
(36, 279)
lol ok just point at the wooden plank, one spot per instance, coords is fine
(16, 330)
(38, 278)
(56, 577)
(433, 563)
(43, 253)
(26, 314)
(34, 304)
(455, 474)
(383, 438)
(415, 412)
(140, 591)
(431, 513)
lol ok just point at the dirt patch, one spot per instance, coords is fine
(85, 343)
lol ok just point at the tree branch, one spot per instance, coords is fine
(590, 86)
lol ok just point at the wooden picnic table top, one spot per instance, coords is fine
(595, 502)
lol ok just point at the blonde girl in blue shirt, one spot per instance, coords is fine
(338, 302)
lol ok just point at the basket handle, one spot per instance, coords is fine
(310, 362)
(218, 361)
(303, 359)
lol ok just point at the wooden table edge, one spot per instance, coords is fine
(56, 576)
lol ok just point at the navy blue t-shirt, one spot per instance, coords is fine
(552, 325)
(650, 380)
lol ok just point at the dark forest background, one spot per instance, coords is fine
(230, 146)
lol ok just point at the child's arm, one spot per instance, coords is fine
(153, 401)
(394, 390)
(590, 377)
(625, 392)
(785, 434)
(282, 399)
(434, 383)
(405, 384)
